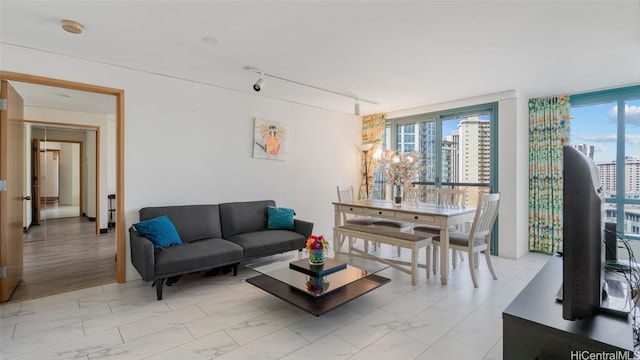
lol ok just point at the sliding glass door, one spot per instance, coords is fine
(457, 148)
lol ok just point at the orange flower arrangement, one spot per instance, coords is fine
(317, 243)
(317, 246)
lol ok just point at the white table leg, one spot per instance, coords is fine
(444, 255)
(336, 222)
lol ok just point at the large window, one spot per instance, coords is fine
(456, 149)
(611, 137)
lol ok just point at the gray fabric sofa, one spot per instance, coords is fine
(212, 236)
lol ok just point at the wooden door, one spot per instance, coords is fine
(11, 200)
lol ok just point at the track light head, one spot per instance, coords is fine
(259, 84)
(357, 107)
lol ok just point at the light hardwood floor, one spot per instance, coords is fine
(61, 255)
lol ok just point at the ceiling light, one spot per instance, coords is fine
(258, 85)
(71, 26)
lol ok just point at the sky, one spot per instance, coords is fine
(596, 125)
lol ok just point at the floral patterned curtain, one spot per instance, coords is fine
(549, 130)
(372, 131)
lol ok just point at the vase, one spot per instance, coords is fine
(316, 257)
(397, 195)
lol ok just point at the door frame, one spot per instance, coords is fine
(120, 194)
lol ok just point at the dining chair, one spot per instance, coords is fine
(445, 196)
(453, 197)
(345, 193)
(479, 237)
(410, 194)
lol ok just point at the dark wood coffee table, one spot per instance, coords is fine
(317, 295)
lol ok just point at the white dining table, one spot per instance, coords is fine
(439, 216)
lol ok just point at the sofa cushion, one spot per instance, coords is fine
(193, 222)
(241, 217)
(268, 242)
(160, 231)
(196, 256)
(279, 218)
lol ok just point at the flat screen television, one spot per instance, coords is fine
(583, 225)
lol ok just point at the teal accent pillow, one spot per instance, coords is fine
(160, 231)
(280, 218)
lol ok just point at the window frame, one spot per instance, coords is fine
(438, 117)
(619, 96)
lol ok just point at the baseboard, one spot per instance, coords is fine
(25, 229)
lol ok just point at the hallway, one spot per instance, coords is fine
(65, 254)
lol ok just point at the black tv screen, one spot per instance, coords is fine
(583, 219)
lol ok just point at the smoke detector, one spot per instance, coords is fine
(71, 26)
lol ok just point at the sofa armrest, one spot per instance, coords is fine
(303, 227)
(142, 255)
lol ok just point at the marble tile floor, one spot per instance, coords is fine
(223, 317)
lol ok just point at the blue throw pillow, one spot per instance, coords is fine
(160, 231)
(280, 218)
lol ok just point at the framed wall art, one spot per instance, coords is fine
(269, 139)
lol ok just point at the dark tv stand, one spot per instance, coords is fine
(533, 327)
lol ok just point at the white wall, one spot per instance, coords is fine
(513, 170)
(191, 143)
(50, 174)
(69, 174)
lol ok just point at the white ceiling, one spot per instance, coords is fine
(399, 54)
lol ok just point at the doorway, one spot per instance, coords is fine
(60, 169)
(99, 200)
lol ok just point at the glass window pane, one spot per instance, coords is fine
(466, 152)
(454, 151)
(631, 220)
(632, 166)
(593, 131)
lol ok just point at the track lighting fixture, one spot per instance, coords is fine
(260, 83)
